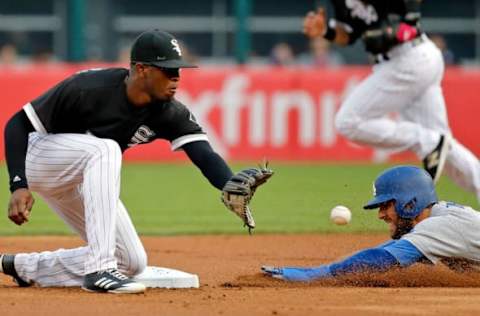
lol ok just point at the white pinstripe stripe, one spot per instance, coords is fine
(67, 267)
(99, 213)
(51, 268)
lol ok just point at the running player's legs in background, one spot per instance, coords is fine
(393, 86)
(410, 86)
(461, 166)
(79, 177)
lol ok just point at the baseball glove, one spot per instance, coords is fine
(239, 190)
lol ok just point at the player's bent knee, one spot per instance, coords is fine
(346, 125)
(137, 263)
(111, 148)
(107, 149)
(103, 147)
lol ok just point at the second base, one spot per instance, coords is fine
(158, 277)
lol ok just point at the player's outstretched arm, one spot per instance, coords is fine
(398, 254)
(212, 166)
(237, 189)
(16, 142)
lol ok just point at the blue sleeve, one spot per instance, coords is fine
(393, 253)
(404, 251)
(385, 244)
(369, 260)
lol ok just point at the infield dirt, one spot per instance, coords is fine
(231, 284)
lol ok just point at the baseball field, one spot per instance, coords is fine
(185, 226)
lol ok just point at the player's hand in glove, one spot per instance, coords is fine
(239, 190)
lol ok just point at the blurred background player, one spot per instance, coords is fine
(8, 54)
(321, 55)
(422, 230)
(282, 55)
(67, 146)
(405, 80)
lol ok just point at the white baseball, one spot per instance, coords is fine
(340, 215)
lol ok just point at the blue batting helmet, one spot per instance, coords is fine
(407, 186)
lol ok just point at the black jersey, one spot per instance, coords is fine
(359, 16)
(95, 101)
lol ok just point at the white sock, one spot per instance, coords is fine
(1, 263)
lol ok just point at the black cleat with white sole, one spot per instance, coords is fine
(434, 162)
(111, 281)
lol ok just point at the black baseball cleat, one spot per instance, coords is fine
(111, 281)
(8, 268)
(434, 162)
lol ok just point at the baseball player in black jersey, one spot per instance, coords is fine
(405, 80)
(66, 145)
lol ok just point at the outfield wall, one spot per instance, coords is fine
(249, 113)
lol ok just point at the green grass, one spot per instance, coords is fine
(169, 199)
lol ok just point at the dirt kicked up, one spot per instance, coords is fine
(231, 282)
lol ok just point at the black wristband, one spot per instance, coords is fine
(22, 184)
(330, 33)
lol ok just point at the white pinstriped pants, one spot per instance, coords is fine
(409, 84)
(79, 178)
